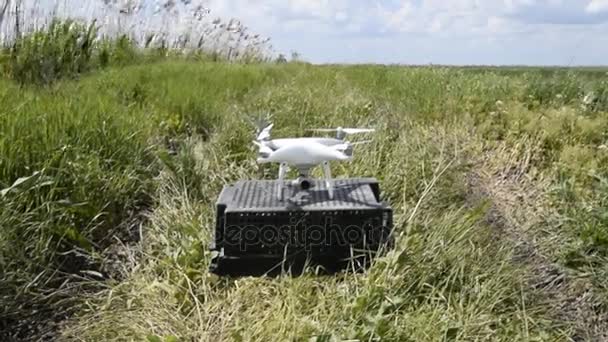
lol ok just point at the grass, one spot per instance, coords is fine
(498, 180)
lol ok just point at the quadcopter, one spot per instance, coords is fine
(306, 153)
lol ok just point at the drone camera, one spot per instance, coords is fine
(305, 184)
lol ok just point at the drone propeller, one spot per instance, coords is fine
(265, 133)
(344, 130)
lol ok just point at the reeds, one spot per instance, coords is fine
(67, 39)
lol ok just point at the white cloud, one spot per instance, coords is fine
(597, 6)
(341, 17)
(334, 30)
(398, 20)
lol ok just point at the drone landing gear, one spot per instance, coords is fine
(283, 168)
(328, 184)
(303, 180)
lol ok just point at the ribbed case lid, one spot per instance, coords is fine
(262, 195)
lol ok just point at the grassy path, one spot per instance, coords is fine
(521, 214)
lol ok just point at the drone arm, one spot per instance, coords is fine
(263, 148)
(341, 147)
(328, 182)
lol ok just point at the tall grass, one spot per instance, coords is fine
(65, 49)
(109, 185)
(40, 47)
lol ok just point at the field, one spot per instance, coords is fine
(498, 178)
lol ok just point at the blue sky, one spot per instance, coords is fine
(534, 32)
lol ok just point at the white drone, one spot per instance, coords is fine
(306, 153)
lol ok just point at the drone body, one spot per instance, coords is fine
(306, 153)
(279, 143)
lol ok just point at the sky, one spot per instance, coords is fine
(457, 32)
